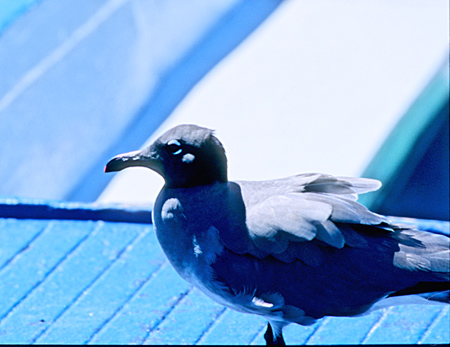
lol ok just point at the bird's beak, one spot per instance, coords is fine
(122, 161)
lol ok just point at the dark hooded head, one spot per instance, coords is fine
(185, 156)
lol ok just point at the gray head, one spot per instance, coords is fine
(185, 156)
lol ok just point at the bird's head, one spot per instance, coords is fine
(185, 156)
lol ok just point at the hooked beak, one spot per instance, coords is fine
(125, 160)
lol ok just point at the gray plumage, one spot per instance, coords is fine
(292, 250)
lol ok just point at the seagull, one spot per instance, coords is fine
(292, 250)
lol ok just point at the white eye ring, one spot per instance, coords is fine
(176, 144)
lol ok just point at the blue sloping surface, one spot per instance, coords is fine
(11, 10)
(83, 80)
(96, 282)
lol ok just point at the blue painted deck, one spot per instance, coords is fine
(70, 281)
(94, 78)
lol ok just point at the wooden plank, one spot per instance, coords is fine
(403, 324)
(234, 328)
(438, 331)
(114, 287)
(80, 253)
(146, 310)
(15, 237)
(187, 322)
(32, 265)
(110, 283)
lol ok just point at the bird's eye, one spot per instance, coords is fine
(174, 147)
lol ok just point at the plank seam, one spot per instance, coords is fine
(27, 245)
(430, 326)
(53, 268)
(257, 334)
(129, 298)
(375, 326)
(213, 322)
(159, 321)
(320, 323)
(77, 297)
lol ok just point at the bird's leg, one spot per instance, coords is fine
(274, 336)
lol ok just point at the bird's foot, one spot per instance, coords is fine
(273, 339)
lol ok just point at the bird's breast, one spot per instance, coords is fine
(190, 241)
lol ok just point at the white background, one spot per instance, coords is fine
(316, 88)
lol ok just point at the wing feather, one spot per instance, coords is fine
(309, 217)
(329, 233)
(304, 208)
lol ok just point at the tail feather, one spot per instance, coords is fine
(425, 252)
(436, 291)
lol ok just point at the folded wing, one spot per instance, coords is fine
(303, 208)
